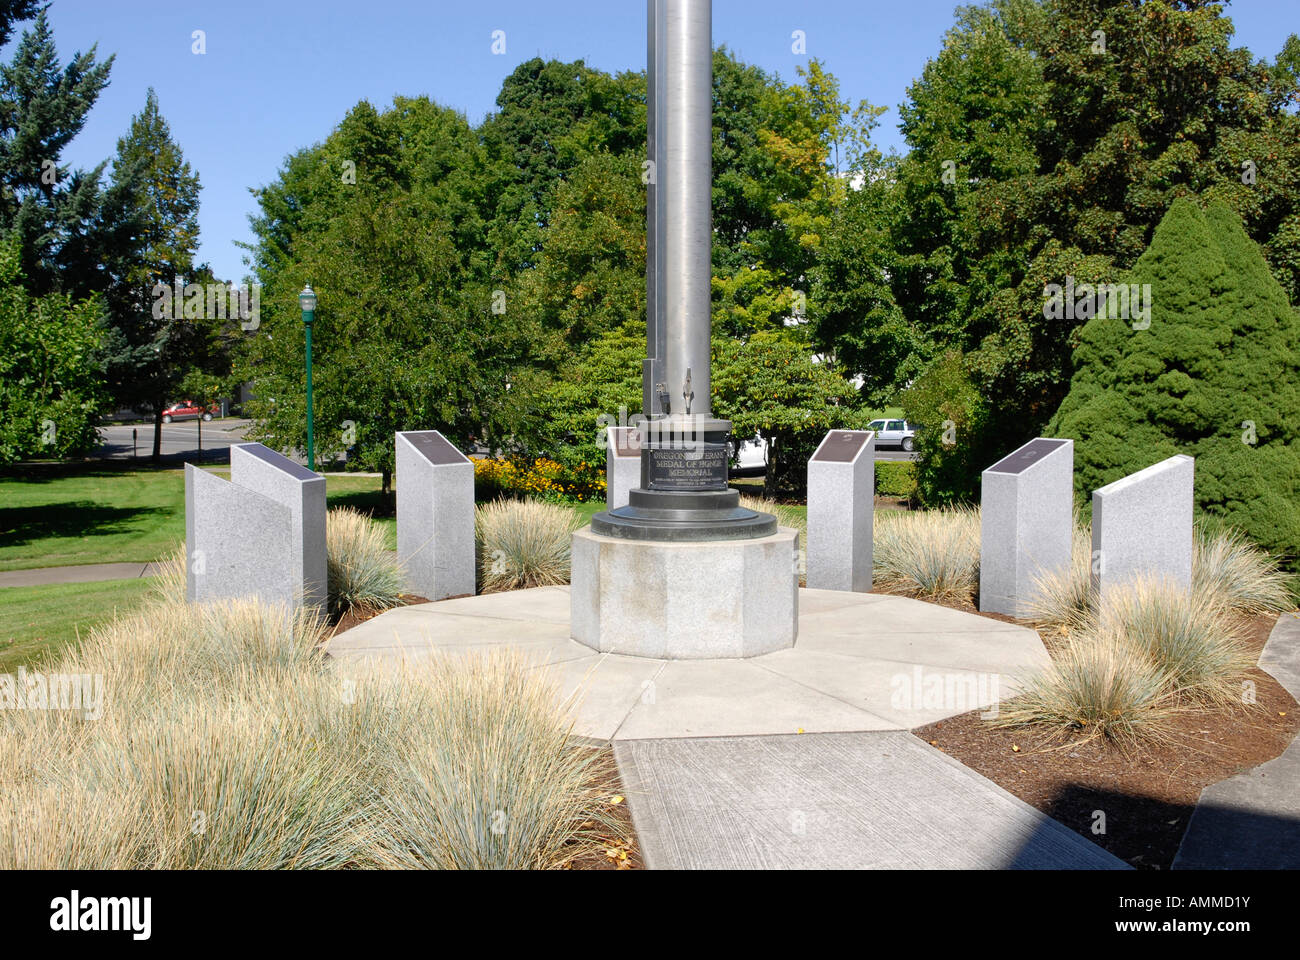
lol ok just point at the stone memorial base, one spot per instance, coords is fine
(717, 599)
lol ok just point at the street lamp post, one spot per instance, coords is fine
(307, 300)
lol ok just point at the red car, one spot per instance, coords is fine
(188, 410)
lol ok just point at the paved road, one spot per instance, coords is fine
(180, 441)
(889, 454)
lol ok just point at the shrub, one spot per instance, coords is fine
(933, 554)
(1216, 375)
(541, 479)
(523, 543)
(773, 387)
(363, 573)
(954, 443)
(1099, 686)
(52, 376)
(895, 478)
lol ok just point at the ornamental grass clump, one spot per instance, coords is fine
(1238, 574)
(1062, 600)
(1096, 687)
(363, 573)
(1154, 650)
(523, 543)
(226, 740)
(1227, 570)
(1190, 636)
(933, 554)
(490, 779)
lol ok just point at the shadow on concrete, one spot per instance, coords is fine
(1154, 834)
(1232, 838)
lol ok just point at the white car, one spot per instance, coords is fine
(751, 457)
(894, 433)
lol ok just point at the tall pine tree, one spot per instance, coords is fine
(153, 200)
(50, 209)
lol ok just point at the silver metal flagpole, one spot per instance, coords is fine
(685, 169)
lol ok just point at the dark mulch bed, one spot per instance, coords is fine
(345, 622)
(618, 847)
(1147, 792)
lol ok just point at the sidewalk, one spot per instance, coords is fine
(1252, 821)
(795, 759)
(85, 573)
(842, 801)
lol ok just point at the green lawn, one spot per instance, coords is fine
(75, 514)
(105, 514)
(59, 516)
(64, 516)
(40, 623)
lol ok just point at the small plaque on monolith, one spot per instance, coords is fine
(1026, 523)
(435, 515)
(841, 505)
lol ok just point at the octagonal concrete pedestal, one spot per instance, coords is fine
(720, 599)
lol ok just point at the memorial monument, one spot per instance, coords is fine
(1026, 523)
(622, 465)
(259, 534)
(435, 515)
(682, 570)
(841, 511)
(1142, 528)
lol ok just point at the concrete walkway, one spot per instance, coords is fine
(862, 662)
(797, 759)
(84, 573)
(833, 801)
(1252, 821)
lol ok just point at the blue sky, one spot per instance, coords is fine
(279, 74)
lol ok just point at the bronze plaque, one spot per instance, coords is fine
(1021, 460)
(435, 448)
(841, 446)
(282, 463)
(681, 468)
(627, 442)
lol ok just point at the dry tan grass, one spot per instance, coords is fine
(489, 778)
(1237, 574)
(934, 554)
(1193, 637)
(363, 574)
(523, 543)
(1227, 570)
(785, 517)
(1063, 600)
(228, 742)
(1096, 687)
